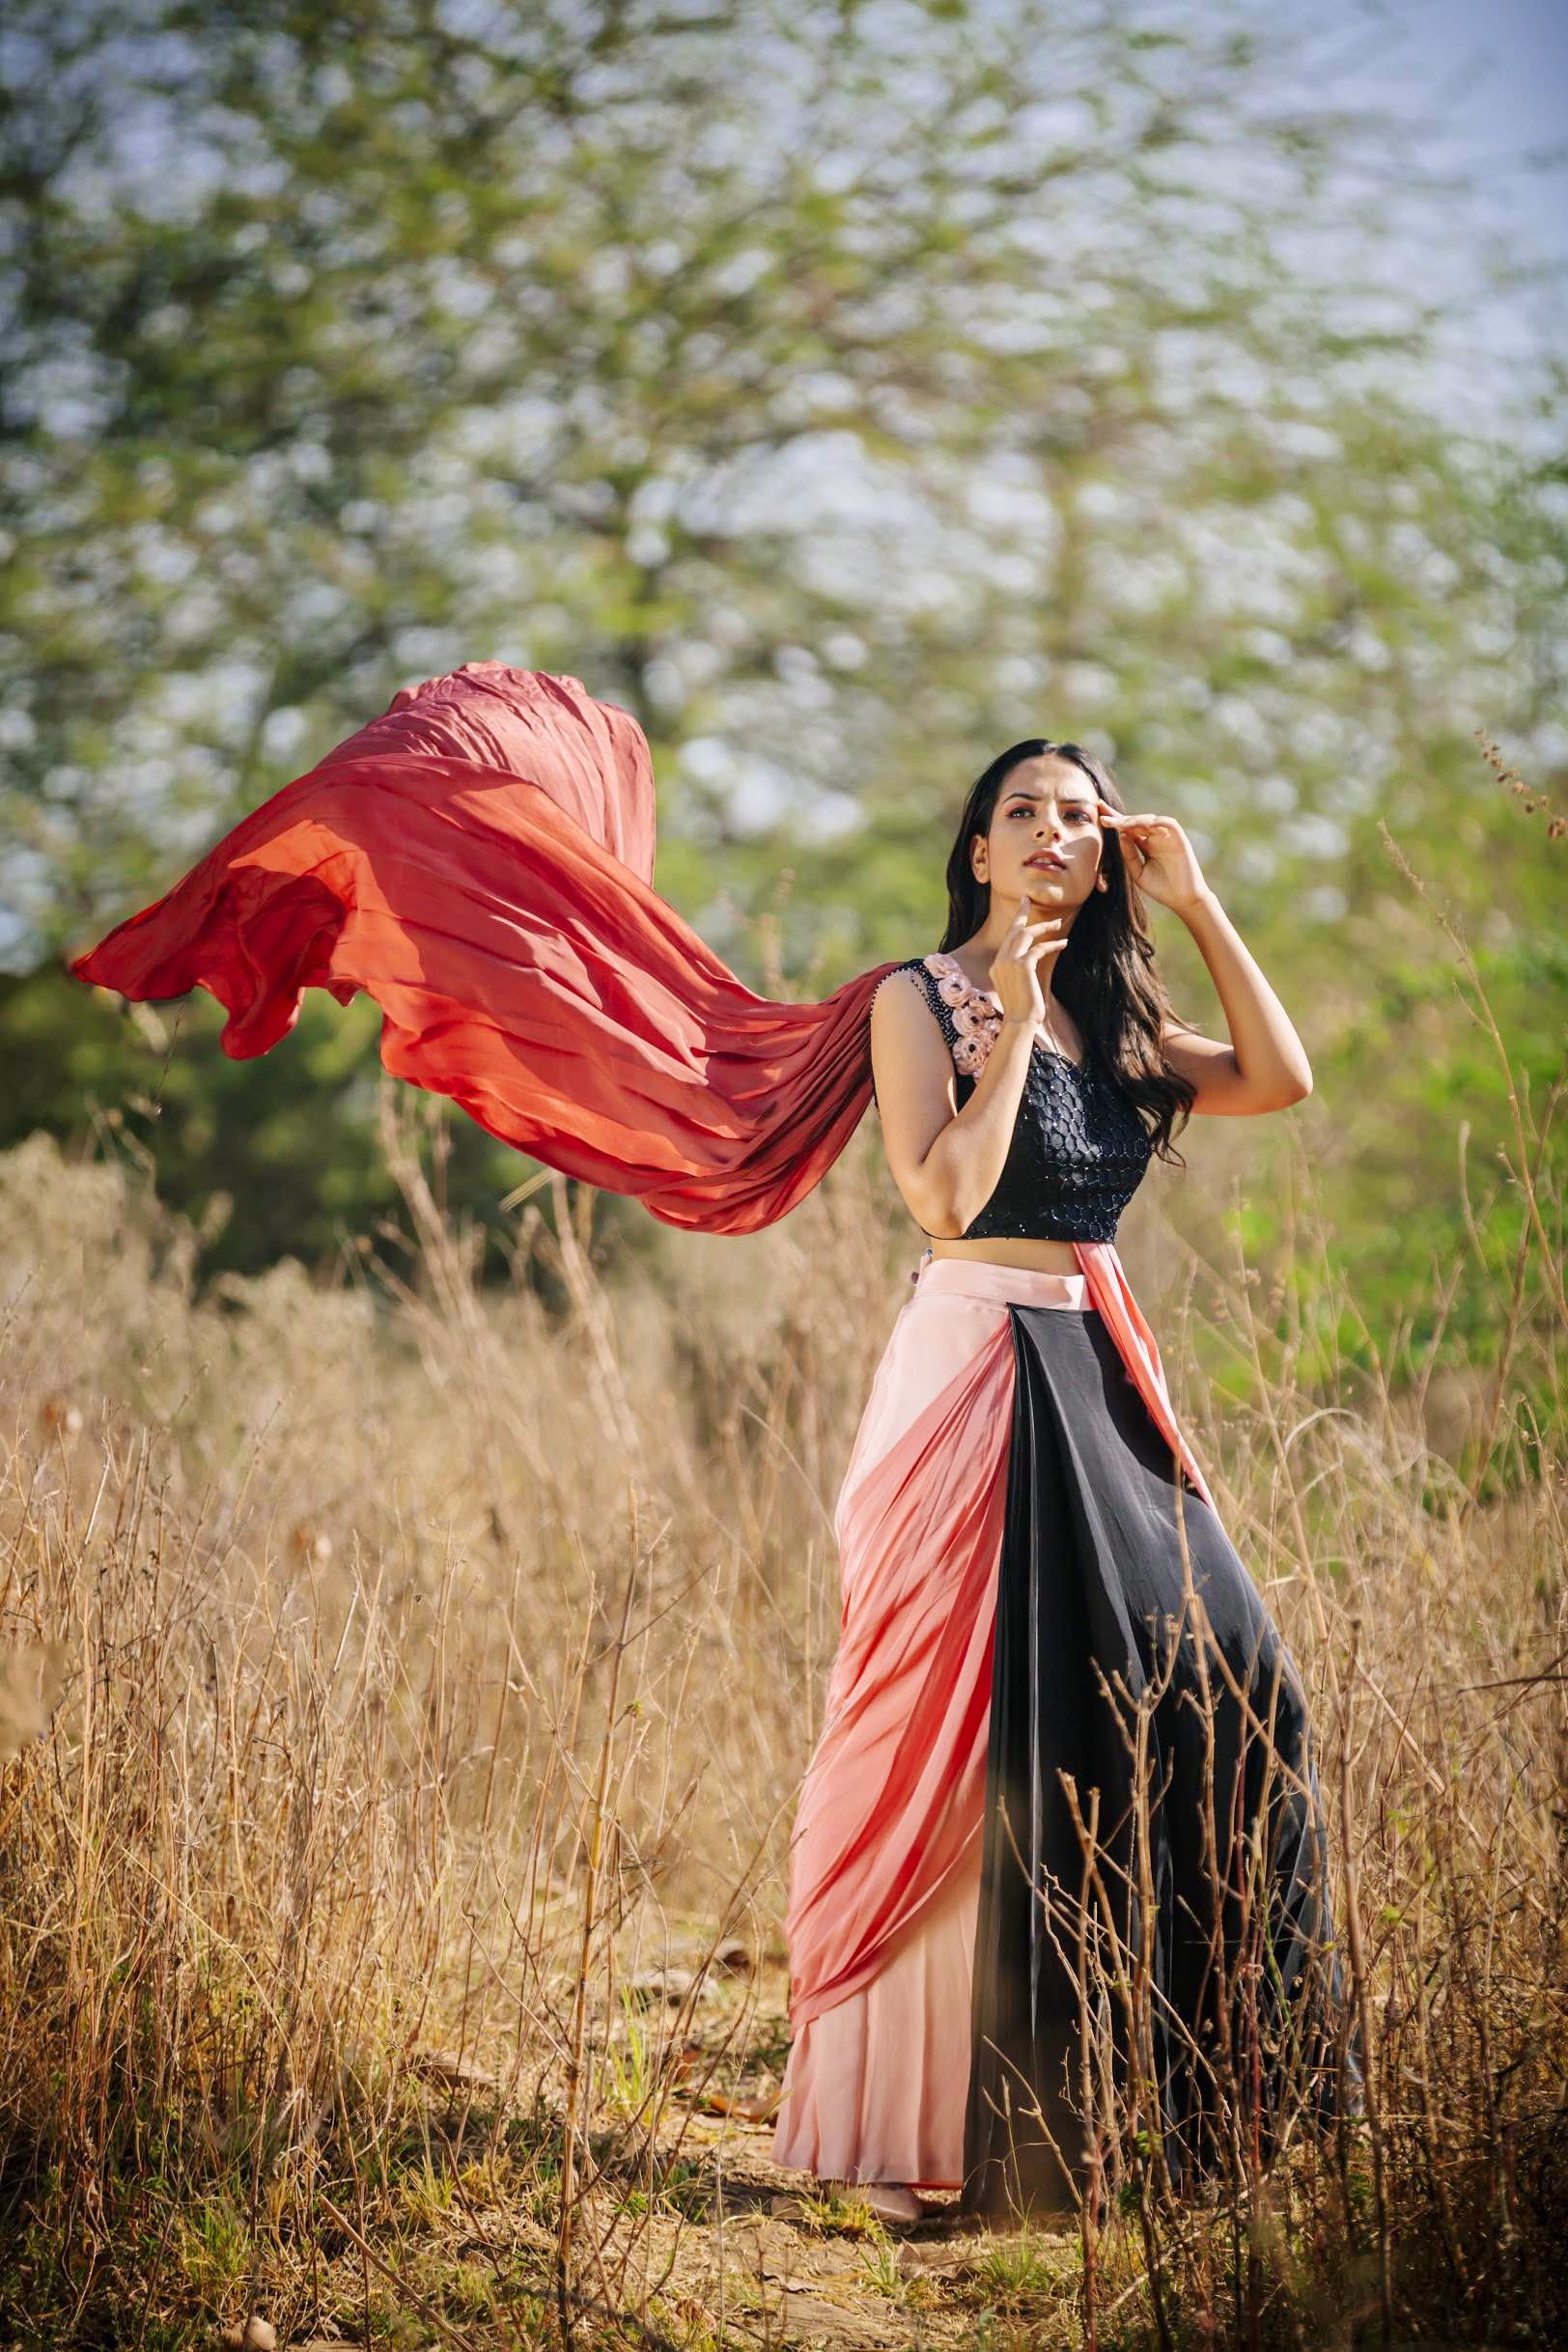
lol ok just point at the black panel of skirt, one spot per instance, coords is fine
(1217, 1997)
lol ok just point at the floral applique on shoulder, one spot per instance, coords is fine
(975, 1014)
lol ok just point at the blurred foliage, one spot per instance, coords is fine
(270, 1158)
(847, 408)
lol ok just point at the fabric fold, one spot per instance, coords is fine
(479, 860)
(893, 1792)
(1008, 1532)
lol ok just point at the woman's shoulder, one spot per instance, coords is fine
(968, 1017)
(913, 968)
(926, 976)
(933, 977)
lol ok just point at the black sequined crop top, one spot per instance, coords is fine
(1078, 1152)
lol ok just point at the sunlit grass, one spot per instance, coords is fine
(405, 1690)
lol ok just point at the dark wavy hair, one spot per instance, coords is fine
(1105, 976)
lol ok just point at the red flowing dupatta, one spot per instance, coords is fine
(480, 862)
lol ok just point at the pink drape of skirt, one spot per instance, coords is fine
(885, 1854)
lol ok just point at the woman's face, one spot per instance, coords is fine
(1046, 809)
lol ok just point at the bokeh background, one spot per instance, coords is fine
(848, 391)
(417, 1578)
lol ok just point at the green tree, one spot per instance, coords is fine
(846, 407)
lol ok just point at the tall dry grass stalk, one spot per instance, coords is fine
(411, 1687)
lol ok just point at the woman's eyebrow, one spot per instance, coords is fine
(1028, 792)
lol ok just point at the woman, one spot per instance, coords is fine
(1010, 1529)
(1020, 1498)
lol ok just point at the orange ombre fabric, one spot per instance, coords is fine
(480, 862)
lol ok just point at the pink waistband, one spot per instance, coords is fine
(996, 1285)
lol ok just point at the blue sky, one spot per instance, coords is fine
(1497, 79)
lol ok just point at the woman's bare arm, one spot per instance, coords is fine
(1265, 1067)
(945, 1161)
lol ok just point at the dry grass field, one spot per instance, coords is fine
(405, 1690)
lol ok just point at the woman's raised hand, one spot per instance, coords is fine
(1159, 858)
(1015, 973)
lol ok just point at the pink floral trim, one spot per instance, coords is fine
(978, 1016)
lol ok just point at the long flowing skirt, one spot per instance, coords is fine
(1023, 1649)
